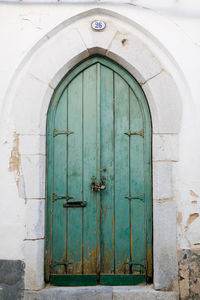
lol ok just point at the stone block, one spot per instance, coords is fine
(165, 147)
(183, 264)
(84, 293)
(74, 293)
(161, 92)
(184, 289)
(194, 284)
(136, 54)
(100, 293)
(35, 216)
(54, 54)
(27, 107)
(162, 180)
(97, 39)
(32, 295)
(164, 249)
(32, 144)
(141, 293)
(33, 170)
(34, 259)
(189, 273)
(11, 279)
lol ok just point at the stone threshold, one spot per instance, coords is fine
(99, 292)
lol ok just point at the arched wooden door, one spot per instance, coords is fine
(99, 219)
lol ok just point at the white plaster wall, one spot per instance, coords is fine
(171, 31)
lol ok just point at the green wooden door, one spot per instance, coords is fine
(99, 223)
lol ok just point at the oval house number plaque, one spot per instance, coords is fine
(98, 25)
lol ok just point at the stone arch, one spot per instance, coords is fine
(57, 53)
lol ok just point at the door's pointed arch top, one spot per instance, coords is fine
(131, 81)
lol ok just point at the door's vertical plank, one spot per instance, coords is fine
(49, 190)
(138, 229)
(59, 185)
(148, 185)
(107, 171)
(98, 165)
(90, 169)
(74, 243)
(122, 219)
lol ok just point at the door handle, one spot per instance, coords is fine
(98, 186)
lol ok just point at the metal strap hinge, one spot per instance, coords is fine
(137, 197)
(58, 132)
(140, 133)
(58, 263)
(136, 266)
(57, 197)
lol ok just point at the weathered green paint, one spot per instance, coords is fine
(98, 125)
(122, 279)
(72, 280)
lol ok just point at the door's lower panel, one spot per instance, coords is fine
(87, 280)
(122, 279)
(73, 280)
